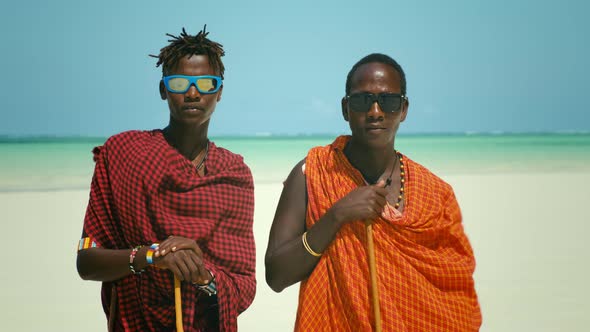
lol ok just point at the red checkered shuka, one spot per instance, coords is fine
(424, 261)
(143, 191)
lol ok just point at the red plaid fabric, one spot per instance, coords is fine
(424, 261)
(143, 190)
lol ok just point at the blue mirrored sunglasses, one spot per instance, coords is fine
(205, 84)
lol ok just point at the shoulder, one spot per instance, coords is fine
(229, 158)
(129, 138)
(297, 173)
(321, 154)
(124, 143)
(426, 179)
(228, 155)
(224, 161)
(320, 149)
(338, 144)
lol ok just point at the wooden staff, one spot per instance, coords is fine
(113, 310)
(178, 305)
(373, 274)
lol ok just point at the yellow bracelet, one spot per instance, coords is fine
(307, 247)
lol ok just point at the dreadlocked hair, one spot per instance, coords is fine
(187, 45)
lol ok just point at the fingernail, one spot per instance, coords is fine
(173, 248)
(205, 281)
(164, 251)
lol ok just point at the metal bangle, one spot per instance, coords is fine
(307, 247)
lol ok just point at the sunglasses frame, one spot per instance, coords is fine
(375, 98)
(193, 81)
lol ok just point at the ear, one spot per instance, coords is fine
(405, 106)
(219, 93)
(162, 90)
(344, 109)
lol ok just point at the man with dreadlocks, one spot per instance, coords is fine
(168, 204)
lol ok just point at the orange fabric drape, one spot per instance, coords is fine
(424, 261)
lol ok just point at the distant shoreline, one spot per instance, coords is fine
(263, 136)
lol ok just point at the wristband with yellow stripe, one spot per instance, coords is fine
(149, 256)
(86, 243)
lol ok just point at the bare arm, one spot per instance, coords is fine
(112, 264)
(108, 264)
(287, 261)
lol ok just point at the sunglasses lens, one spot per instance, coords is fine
(360, 102)
(207, 85)
(178, 84)
(390, 102)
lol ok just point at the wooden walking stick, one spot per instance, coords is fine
(178, 305)
(373, 274)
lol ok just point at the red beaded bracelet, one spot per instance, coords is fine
(132, 259)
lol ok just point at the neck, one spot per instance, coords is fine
(371, 162)
(189, 140)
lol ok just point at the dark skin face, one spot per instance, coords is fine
(191, 108)
(375, 128)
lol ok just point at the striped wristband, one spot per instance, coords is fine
(149, 256)
(86, 243)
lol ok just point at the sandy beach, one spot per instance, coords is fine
(528, 232)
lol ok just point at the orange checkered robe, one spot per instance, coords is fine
(424, 261)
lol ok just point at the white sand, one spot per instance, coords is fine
(528, 232)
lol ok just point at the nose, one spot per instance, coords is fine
(375, 112)
(192, 92)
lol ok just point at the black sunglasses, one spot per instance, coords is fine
(362, 101)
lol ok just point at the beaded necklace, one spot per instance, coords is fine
(402, 174)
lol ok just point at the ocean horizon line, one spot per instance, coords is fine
(33, 138)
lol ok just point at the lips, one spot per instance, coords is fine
(192, 108)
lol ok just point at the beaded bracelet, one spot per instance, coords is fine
(132, 258)
(149, 256)
(86, 243)
(210, 288)
(307, 247)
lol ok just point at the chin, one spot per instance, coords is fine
(380, 141)
(193, 120)
(379, 144)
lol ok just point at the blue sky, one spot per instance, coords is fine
(82, 68)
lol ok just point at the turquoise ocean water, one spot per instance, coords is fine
(45, 164)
